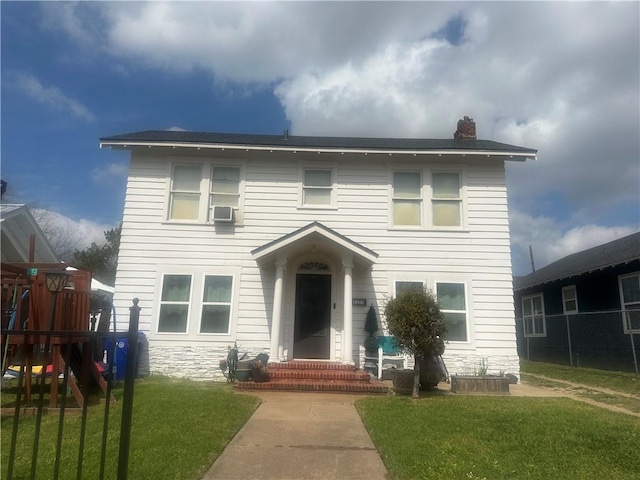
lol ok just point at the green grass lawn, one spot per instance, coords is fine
(451, 437)
(619, 381)
(179, 428)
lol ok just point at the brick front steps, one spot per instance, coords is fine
(316, 377)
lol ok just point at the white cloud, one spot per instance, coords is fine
(176, 129)
(112, 171)
(51, 96)
(66, 234)
(560, 77)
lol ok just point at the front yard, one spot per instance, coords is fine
(451, 437)
(179, 428)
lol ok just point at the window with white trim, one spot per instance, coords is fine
(317, 187)
(216, 304)
(196, 189)
(174, 303)
(453, 305)
(446, 199)
(569, 299)
(225, 186)
(533, 316)
(407, 199)
(402, 286)
(196, 304)
(630, 301)
(184, 202)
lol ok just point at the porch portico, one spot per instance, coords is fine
(313, 281)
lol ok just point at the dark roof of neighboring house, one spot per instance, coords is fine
(623, 250)
(184, 137)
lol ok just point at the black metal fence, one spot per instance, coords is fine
(61, 373)
(605, 340)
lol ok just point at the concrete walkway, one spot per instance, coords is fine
(301, 436)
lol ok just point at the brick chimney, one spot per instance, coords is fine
(466, 129)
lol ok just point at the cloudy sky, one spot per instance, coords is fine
(560, 77)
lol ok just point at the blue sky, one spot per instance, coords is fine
(560, 77)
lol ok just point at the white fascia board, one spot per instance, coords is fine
(315, 229)
(268, 148)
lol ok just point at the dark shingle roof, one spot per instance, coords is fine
(619, 251)
(169, 137)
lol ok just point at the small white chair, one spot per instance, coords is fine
(389, 351)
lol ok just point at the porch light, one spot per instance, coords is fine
(56, 281)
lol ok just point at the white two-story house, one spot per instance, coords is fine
(282, 243)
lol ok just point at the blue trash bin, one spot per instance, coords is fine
(120, 358)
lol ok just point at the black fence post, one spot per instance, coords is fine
(127, 401)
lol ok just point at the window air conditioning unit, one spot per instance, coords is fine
(222, 214)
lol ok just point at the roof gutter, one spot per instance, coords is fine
(292, 149)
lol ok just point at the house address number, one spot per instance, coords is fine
(360, 302)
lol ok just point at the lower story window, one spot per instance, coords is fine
(630, 302)
(533, 316)
(174, 303)
(216, 304)
(182, 310)
(453, 305)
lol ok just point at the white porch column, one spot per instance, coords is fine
(347, 313)
(277, 311)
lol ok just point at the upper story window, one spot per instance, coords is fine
(407, 199)
(630, 302)
(569, 299)
(317, 187)
(225, 186)
(533, 316)
(184, 202)
(196, 189)
(446, 199)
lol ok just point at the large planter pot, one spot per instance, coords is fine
(402, 381)
(488, 385)
(431, 372)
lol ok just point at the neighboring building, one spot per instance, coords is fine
(587, 304)
(281, 243)
(20, 233)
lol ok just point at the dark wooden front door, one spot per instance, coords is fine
(313, 316)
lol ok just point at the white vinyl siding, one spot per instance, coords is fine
(533, 316)
(630, 301)
(569, 300)
(478, 256)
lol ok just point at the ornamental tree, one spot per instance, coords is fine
(414, 319)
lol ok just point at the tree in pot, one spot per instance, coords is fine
(371, 326)
(415, 321)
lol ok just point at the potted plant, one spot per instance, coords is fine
(259, 372)
(371, 326)
(417, 325)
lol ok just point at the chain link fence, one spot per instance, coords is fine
(604, 340)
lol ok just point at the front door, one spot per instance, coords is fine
(313, 316)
